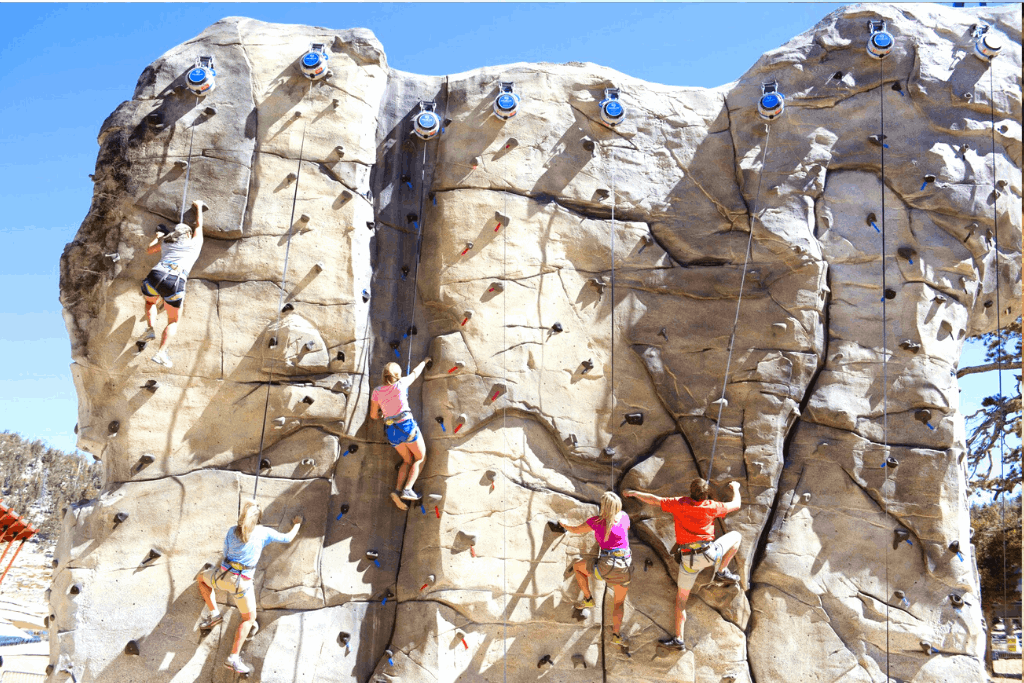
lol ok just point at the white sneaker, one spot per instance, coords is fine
(235, 662)
(161, 358)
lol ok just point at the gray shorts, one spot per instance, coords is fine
(613, 570)
(692, 564)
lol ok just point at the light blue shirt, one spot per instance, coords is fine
(248, 554)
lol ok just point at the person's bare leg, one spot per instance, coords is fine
(582, 577)
(208, 593)
(403, 471)
(682, 595)
(151, 311)
(248, 619)
(620, 607)
(418, 451)
(172, 327)
(731, 542)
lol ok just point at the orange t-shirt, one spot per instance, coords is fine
(695, 521)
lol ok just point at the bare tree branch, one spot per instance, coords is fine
(987, 367)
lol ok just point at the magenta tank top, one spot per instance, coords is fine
(618, 539)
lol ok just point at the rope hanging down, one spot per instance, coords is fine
(188, 168)
(885, 357)
(280, 301)
(739, 300)
(611, 462)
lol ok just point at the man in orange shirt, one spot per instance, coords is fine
(695, 538)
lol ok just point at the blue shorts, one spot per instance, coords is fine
(405, 431)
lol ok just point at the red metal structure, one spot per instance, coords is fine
(13, 528)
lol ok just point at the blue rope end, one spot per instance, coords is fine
(875, 227)
(423, 510)
(338, 518)
(442, 428)
(923, 185)
(960, 556)
(377, 563)
(930, 427)
(397, 355)
(391, 662)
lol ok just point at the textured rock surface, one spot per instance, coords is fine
(550, 200)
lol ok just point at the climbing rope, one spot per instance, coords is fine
(280, 301)
(739, 300)
(611, 461)
(188, 168)
(885, 358)
(504, 426)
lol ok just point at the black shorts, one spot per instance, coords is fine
(167, 286)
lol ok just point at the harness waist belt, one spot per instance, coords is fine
(621, 552)
(401, 417)
(172, 268)
(235, 567)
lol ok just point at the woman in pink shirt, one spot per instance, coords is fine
(614, 563)
(391, 401)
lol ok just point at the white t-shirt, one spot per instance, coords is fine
(184, 253)
(394, 398)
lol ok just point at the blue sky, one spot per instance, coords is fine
(66, 67)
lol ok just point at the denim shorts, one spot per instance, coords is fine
(405, 431)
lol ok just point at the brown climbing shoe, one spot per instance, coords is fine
(397, 497)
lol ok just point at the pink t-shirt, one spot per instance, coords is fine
(394, 398)
(618, 539)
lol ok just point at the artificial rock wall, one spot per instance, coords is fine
(327, 177)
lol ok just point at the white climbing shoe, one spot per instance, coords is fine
(235, 663)
(161, 358)
(409, 494)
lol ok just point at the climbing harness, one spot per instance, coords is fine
(201, 80)
(427, 124)
(772, 102)
(280, 301)
(881, 42)
(986, 43)
(746, 260)
(612, 111)
(314, 63)
(506, 104)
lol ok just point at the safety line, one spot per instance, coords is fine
(280, 301)
(611, 461)
(504, 425)
(999, 331)
(188, 168)
(739, 300)
(419, 244)
(885, 359)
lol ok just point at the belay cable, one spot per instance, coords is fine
(739, 300)
(280, 302)
(188, 168)
(885, 357)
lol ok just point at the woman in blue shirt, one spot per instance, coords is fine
(242, 548)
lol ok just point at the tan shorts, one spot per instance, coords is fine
(688, 570)
(615, 571)
(240, 588)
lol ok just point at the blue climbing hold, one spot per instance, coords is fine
(423, 510)
(875, 227)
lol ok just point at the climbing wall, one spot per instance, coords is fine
(576, 285)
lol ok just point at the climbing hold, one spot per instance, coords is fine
(511, 142)
(75, 589)
(954, 547)
(490, 476)
(308, 400)
(466, 315)
(426, 124)
(721, 402)
(287, 308)
(414, 219)
(648, 563)
(502, 220)
(366, 296)
(634, 418)
(201, 79)
(120, 517)
(411, 331)
(587, 366)
(556, 527)
(601, 194)
(546, 659)
(265, 464)
(113, 427)
(141, 346)
(430, 579)
(272, 343)
(394, 344)
(837, 76)
(319, 266)
(878, 140)
(927, 179)
(881, 41)
(462, 419)
(557, 328)
(496, 287)
(939, 299)
(370, 225)
(291, 177)
(988, 304)
(458, 365)
(898, 88)
(153, 554)
(956, 600)
(405, 271)
(578, 660)
(373, 555)
(587, 144)
(343, 639)
(902, 597)
(924, 416)
(807, 497)
(891, 462)
(506, 104)
(572, 440)
(609, 451)
(279, 422)
(612, 111)
(890, 294)
(152, 385)
(387, 596)
(772, 102)
(407, 180)
(181, 164)
(910, 345)
(908, 253)
(599, 283)
(899, 536)
(779, 327)
(352, 448)
(986, 44)
(469, 245)
(307, 462)
(435, 498)
(144, 460)
(309, 346)
(132, 648)
(340, 356)
(432, 196)
(927, 647)
(440, 420)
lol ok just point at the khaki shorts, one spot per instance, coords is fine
(615, 571)
(688, 571)
(240, 588)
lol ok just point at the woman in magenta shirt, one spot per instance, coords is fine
(614, 563)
